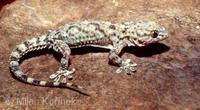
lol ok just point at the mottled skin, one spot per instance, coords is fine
(103, 34)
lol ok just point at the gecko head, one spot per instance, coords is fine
(144, 33)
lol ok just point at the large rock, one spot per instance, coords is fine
(168, 75)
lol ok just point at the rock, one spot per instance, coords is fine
(168, 72)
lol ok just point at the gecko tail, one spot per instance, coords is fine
(15, 69)
(36, 43)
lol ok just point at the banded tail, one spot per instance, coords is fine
(36, 43)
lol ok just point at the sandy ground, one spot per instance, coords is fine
(168, 76)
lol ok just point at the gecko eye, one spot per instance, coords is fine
(154, 33)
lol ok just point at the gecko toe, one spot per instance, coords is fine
(128, 67)
(62, 75)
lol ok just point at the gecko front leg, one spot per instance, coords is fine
(63, 73)
(124, 65)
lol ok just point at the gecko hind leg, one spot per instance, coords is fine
(63, 73)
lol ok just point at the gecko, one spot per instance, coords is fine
(101, 34)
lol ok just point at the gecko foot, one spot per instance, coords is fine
(62, 75)
(127, 66)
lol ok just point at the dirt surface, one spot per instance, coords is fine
(168, 75)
